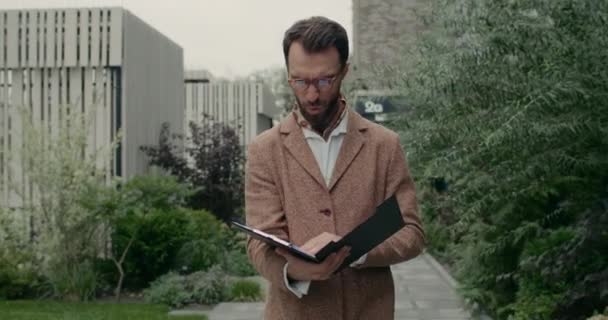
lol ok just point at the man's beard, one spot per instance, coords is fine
(320, 121)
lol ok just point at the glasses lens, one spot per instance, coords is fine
(299, 83)
(324, 83)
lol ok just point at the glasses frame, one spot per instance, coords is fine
(316, 82)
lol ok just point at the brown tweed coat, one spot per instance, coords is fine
(285, 195)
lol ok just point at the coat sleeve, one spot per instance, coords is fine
(408, 242)
(264, 211)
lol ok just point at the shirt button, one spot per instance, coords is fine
(326, 212)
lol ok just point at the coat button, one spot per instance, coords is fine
(326, 212)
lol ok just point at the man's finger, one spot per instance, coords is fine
(282, 252)
(341, 256)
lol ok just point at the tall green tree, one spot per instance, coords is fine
(211, 161)
(58, 168)
(512, 116)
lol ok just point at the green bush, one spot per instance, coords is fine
(147, 212)
(169, 289)
(178, 290)
(209, 287)
(74, 282)
(18, 280)
(237, 263)
(509, 109)
(160, 236)
(147, 216)
(245, 291)
(212, 243)
(208, 240)
(19, 275)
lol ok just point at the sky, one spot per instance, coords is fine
(229, 38)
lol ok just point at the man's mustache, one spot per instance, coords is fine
(315, 103)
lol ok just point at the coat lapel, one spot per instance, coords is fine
(352, 144)
(299, 149)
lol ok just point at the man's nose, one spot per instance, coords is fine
(312, 93)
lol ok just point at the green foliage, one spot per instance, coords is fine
(19, 278)
(237, 263)
(77, 282)
(511, 112)
(211, 163)
(209, 287)
(60, 169)
(147, 217)
(147, 224)
(212, 243)
(18, 274)
(207, 244)
(245, 291)
(159, 236)
(178, 290)
(169, 289)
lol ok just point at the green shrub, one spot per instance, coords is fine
(170, 289)
(74, 282)
(19, 275)
(17, 280)
(213, 243)
(208, 240)
(209, 287)
(509, 109)
(200, 287)
(148, 214)
(198, 255)
(237, 263)
(245, 291)
(160, 236)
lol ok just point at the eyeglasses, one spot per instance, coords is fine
(319, 83)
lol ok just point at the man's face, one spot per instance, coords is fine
(316, 98)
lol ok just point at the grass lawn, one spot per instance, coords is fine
(52, 310)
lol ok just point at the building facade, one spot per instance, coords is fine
(383, 32)
(248, 106)
(104, 62)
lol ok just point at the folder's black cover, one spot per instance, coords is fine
(275, 242)
(385, 222)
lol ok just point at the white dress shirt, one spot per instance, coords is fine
(326, 154)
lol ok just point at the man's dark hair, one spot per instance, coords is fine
(317, 34)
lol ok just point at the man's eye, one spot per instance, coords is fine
(299, 82)
(324, 82)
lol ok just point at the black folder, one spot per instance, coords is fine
(385, 222)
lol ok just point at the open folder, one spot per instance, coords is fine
(382, 224)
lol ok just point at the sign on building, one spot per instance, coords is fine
(379, 106)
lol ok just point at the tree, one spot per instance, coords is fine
(58, 170)
(212, 163)
(127, 208)
(511, 114)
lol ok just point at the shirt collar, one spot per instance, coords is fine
(338, 130)
(336, 126)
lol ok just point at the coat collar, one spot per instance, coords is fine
(296, 144)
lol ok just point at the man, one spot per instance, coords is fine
(315, 177)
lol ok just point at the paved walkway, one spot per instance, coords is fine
(423, 292)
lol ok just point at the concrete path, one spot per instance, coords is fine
(424, 291)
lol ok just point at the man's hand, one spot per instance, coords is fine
(301, 270)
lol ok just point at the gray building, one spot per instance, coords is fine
(382, 32)
(247, 105)
(100, 61)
